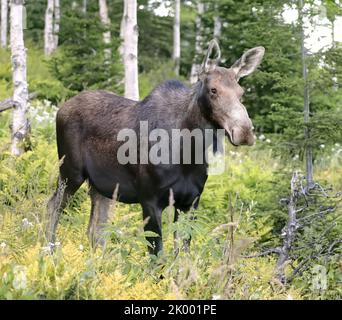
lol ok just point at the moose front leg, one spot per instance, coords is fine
(153, 222)
(56, 205)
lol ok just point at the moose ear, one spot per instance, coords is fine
(248, 63)
(210, 63)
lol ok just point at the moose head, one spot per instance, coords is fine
(220, 95)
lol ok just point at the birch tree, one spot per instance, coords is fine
(176, 38)
(122, 32)
(49, 41)
(195, 68)
(52, 25)
(130, 49)
(56, 23)
(20, 123)
(4, 14)
(106, 23)
(217, 27)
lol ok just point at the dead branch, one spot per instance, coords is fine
(261, 254)
(10, 103)
(288, 232)
(289, 252)
(6, 104)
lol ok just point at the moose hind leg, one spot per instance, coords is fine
(100, 207)
(56, 205)
(153, 222)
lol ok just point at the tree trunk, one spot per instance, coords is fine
(288, 232)
(49, 40)
(20, 123)
(217, 27)
(308, 147)
(106, 35)
(176, 38)
(56, 24)
(4, 23)
(333, 33)
(131, 50)
(196, 66)
(122, 33)
(333, 46)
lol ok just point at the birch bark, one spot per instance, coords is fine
(131, 50)
(49, 40)
(196, 66)
(176, 38)
(106, 23)
(20, 123)
(4, 23)
(217, 27)
(56, 23)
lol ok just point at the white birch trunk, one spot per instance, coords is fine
(176, 38)
(20, 124)
(196, 67)
(4, 23)
(122, 32)
(56, 23)
(217, 27)
(131, 50)
(49, 40)
(106, 35)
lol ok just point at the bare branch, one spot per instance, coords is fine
(264, 253)
(9, 103)
(6, 104)
(290, 229)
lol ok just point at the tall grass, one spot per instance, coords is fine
(214, 268)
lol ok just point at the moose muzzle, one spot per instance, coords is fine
(242, 136)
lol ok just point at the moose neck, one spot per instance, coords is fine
(194, 118)
(197, 118)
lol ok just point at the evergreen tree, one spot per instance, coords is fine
(35, 10)
(274, 95)
(80, 62)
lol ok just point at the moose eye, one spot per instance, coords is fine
(213, 91)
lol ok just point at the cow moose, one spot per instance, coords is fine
(88, 126)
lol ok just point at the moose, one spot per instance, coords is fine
(88, 125)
